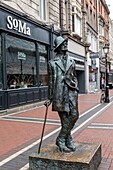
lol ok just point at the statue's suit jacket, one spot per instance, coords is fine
(63, 97)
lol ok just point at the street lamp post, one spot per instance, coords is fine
(87, 45)
(106, 50)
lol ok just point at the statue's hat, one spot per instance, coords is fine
(58, 42)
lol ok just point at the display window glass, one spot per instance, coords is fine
(43, 74)
(20, 63)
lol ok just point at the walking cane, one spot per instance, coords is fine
(43, 130)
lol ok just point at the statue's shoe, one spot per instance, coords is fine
(62, 147)
(71, 146)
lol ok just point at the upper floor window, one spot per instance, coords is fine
(94, 21)
(101, 28)
(87, 10)
(42, 9)
(76, 22)
(78, 25)
(73, 20)
(91, 16)
(66, 14)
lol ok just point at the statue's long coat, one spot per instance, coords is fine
(63, 97)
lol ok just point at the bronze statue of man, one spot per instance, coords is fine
(63, 93)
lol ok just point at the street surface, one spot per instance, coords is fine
(20, 132)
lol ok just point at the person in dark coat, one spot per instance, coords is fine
(63, 93)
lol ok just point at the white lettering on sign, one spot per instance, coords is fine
(18, 25)
(21, 56)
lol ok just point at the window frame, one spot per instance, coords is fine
(75, 19)
(3, 54)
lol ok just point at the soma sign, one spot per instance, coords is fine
(18, 25)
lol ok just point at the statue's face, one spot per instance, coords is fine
(64, 46)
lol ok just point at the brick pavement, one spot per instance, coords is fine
(101, 131)
(15, 135)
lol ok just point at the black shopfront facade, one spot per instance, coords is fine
(25, 48)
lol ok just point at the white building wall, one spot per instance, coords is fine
(30, 8)
(76, 48)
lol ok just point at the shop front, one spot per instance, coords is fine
(94, 73)
(24, 53)
(77, 52)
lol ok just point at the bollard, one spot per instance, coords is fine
(107, 95)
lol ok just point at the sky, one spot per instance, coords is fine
(110, 6)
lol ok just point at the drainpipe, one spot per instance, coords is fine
(87, 45)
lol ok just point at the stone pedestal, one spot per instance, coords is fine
(86, 157)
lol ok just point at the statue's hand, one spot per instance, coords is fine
(47, 103)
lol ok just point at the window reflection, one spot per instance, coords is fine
(43, 76)
(20, 63)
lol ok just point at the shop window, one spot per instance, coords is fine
(92, 77)
(1, 82)
(43, 74)
(20, 63)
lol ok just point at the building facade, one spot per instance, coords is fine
(71, 27)
(90, 35)
(25, 48)
(110, 80)
(27, 33)
(103, 23)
